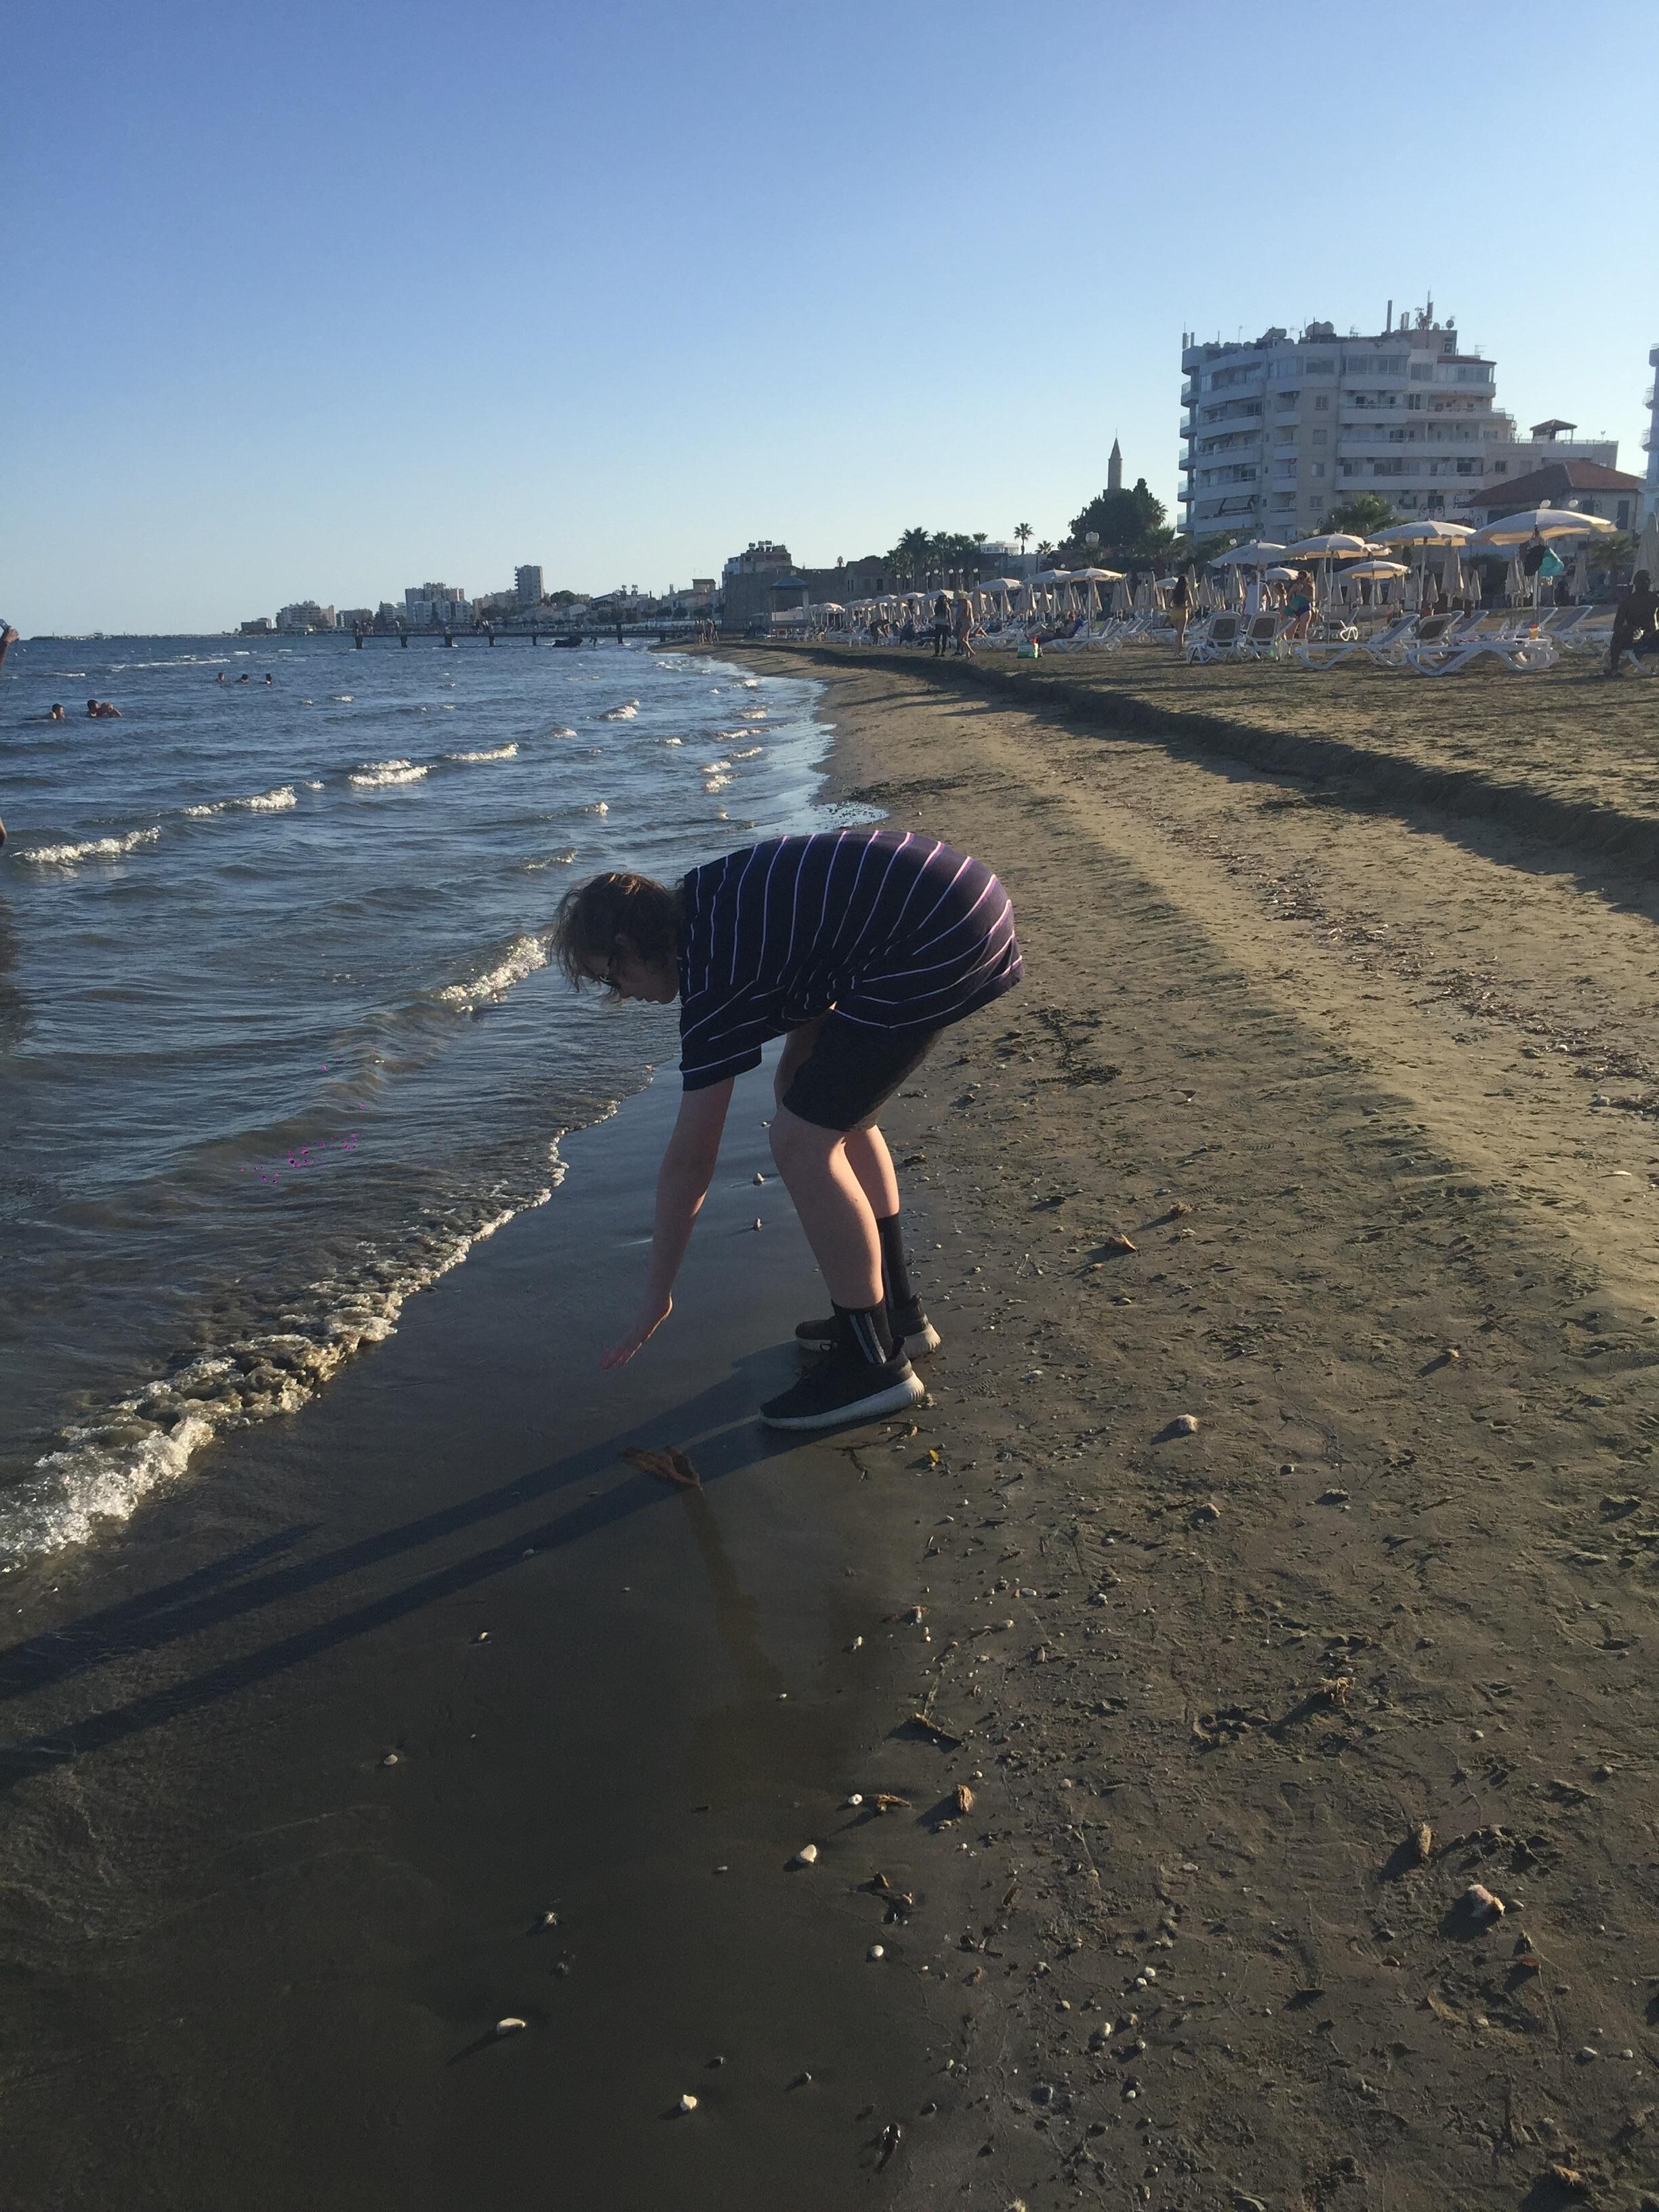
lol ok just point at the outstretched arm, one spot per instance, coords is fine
(688, 1167)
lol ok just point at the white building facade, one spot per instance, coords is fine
(1278, 431)
(437, 605)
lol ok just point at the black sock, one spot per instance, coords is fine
(894, 1274)
(869, 1332)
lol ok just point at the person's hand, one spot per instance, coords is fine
(648, 1321)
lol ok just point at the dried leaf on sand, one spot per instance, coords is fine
(669, 1465)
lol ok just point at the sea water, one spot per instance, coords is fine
(279, 1038)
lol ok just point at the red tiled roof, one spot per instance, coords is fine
(1553, 485)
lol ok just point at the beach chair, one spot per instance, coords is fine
(1216, 639)
(1387, 649)
(1328, 644)
(1443, 652)
(1262, 639)
(1591, 637)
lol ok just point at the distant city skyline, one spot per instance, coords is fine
(694, 280)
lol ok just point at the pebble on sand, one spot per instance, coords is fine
(391, 1759)
(805, 1857)
(688, 2103)
(1479, 1902)
(1184, 1425)
(511, 2025)
(876, 1951)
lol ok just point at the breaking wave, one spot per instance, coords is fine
(523, 957)
(262, 802)
(374, 775)
(103, 1470)
(92, 848)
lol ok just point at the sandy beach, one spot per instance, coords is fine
(1277, 1561)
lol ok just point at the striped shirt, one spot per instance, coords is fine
(894, 930)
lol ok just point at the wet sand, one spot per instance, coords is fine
(250, 1961)
(1327, 1126)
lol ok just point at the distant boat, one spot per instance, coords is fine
(568, 641)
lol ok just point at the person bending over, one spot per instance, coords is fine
(858, 946)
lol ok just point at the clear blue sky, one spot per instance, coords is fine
(324, 300)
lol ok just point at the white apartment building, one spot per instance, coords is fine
(1650, 491)
(443, 605)
(1278, 431)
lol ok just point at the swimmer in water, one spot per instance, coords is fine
(220, 678)
(268, 678)
(242, 679)
(56, 714)
(103, 710)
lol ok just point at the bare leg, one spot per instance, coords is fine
(866, 1148)
(872, 1163)
(834, 1210)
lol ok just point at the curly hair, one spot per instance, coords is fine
(594, 915)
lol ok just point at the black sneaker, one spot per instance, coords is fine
(844, 1388)
(909, 1324)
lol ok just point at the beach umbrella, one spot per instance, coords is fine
(1335, 545)
(1429, 530)
(1091, 579)
(1278, 575)
(1383, 573)
(1545, 522)
(1257, 554)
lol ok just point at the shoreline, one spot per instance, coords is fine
(1205, 1684)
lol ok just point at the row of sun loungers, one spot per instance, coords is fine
(1423, 645)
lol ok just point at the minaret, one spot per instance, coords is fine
(1115, 469)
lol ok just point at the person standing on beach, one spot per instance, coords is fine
(1181, 600)
(1635, 622)
(963, 624)
(858, 947)
(941, 626)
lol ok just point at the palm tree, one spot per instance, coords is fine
(1045, 550)
(1022, 532)
(915, 546)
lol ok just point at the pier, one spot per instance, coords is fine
(556, 635)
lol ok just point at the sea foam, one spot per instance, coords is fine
(93, 848)
(372, 774)
(262, 802)
(104, 1470)
(523, 957)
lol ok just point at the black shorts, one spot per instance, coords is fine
(852, 1070)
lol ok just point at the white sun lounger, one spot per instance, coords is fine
(1214, 639)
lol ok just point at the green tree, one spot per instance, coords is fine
(1023, 534)
(954, 549)
(1362, 516)
(1130, 523)
(909, 557)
